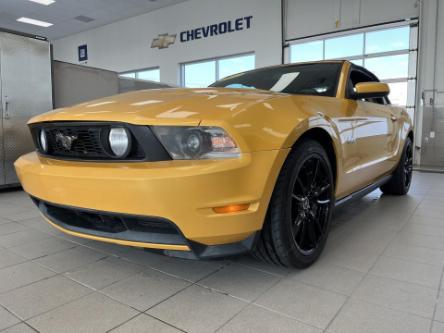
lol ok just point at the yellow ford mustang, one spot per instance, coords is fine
(255, 162)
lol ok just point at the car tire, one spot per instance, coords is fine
(399, 183)
(298, 219)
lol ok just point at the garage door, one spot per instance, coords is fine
(389, 51)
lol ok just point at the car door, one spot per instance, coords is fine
(374, 134)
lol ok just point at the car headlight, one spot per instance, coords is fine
(193, 143)
(43, 140)
(119, 141)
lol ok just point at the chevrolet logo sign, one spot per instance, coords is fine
(163, 41)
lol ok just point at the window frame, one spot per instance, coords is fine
(141, 70)
(411, 102)
(216, 60)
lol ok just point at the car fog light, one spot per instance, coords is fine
(43, 141)
(119, 141)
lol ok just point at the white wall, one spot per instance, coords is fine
(311, 17)
(126, 45)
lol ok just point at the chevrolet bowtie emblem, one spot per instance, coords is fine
(163, 41)
(65, 140)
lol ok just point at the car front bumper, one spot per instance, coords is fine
(179, 193)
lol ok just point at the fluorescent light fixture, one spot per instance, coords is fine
(34, 22)
(44, 2)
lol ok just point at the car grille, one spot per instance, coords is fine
(87, 143)
(112, 225)
(90, 141)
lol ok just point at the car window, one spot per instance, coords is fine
(358, 76)
(306, 79)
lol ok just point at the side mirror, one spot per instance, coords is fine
(370, 90)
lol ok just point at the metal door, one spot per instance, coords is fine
(26, 90)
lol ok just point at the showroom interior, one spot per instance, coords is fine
(382, 268)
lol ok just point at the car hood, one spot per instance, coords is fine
(162, 106)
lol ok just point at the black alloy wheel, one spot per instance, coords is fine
(399, 183)
(408, 166)
(298, 219)
(310, 204)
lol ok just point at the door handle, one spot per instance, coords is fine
(6, 107)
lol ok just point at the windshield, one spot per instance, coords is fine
(319, 79)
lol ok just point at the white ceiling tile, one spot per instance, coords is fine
(63, 12)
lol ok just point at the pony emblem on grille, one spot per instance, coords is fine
(66, 140)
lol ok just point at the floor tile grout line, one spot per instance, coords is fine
(248, 304)
(415, 261)
(91, 291)
(12, 314)
(179, 291)
(370, 274)
(438, 294)
(62, 274)
(253, 302)
(349, 298)
(28, 284)
(124, 322)
(75, 300)
(19, 323)
(393, 309)
(424, 247)
(42, 256)
(165, 322)
(148, 315)
(261, 270)
(100, 291)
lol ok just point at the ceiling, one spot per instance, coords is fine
(63, 14)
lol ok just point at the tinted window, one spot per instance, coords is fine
(306, 79)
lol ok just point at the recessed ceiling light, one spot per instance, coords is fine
(44, 2)
(34, 22)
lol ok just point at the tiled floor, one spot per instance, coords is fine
(382, 271)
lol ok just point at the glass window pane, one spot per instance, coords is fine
(342, 47)
(359, 62)
(311, 51)
(199, 75)
(390, 67)
(129, 75)
(149, 75)
(230, 66)
(398, 93)
(307, 79)
(387, 40)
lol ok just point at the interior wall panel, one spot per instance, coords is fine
(377, 11)
(126, 45)
(305, 18)
(308, 18)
